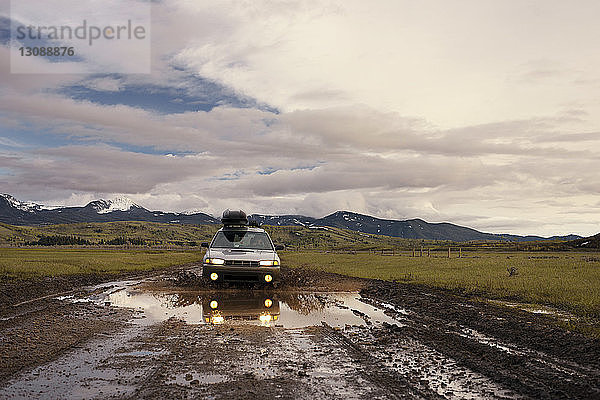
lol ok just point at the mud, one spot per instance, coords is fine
(15, 291)
(523, 351)
(316, 336)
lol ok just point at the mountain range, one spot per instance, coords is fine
(408, 229)
(16, 212)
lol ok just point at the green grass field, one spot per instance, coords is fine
(178, 235)
(34, 263)
(566, 280)
(157, 235)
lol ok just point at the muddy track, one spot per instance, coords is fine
(314, 337)
(519, 350)
(394, 384)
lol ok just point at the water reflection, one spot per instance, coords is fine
(289, 310)
(221, 307)
(305, 303)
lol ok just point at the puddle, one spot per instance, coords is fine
(537, 309)
(287, 310)
(492, 342)
(142, 353)
(195, 378)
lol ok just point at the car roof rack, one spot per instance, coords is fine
(234, 218)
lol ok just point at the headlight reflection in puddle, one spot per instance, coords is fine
(240, 307)
(217, 319)
(265, 319)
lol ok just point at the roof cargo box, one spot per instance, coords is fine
(234, 217)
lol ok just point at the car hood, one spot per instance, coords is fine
(239, 254)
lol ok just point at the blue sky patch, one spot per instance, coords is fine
(198, 94)
(268, 171)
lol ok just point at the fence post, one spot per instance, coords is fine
(448, 252)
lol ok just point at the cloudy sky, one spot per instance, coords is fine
(477, 112)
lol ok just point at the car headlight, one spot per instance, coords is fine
(215, 261)
(269, 263)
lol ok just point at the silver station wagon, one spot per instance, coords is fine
(241, 252)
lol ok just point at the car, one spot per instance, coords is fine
(241, 252)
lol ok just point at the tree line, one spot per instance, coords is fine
(61, 240)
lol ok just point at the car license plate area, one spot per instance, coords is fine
(241, 277)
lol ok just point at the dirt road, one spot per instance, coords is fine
(317, 336)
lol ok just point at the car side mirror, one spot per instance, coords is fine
(279, 247)
(204, 244)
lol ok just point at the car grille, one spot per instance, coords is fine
(241, 263)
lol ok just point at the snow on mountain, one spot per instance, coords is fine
(117, 204)
(42, 207)
(191, 211)
(21, 205)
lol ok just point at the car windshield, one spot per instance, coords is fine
(242, 240)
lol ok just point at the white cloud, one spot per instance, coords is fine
(470, 112)
(105, 84)
(10, 143)
(453, 63)
(363, 159)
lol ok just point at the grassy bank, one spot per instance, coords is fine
(159, 235)
(33, 263)
(569, 281)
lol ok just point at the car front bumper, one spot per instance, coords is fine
(240, 274)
